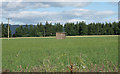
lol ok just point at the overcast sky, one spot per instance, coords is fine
(35, 12)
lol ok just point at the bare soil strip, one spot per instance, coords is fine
(66, 36)
(94, 36)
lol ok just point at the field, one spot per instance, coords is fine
(49, 54)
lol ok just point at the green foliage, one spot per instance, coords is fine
(91, 29)
(83, 28)
(71, 29)
(26, 31)
(77, 29)
(31, 31)
(48, 29)
(58, 27)
(39, 34)
(5, 31)
(19, 31)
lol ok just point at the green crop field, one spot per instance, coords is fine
(52, 55)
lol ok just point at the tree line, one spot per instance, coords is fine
(71, 29)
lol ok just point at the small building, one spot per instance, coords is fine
(60, 35)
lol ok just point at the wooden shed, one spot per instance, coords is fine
(60, 35)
